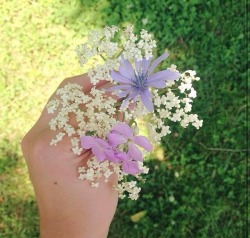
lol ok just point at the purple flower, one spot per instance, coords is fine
(99, 147)
(134, 82)
(128, 166)
(121, 133)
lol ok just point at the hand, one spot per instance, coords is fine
(68, 207)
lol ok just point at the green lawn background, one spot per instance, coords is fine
(208, 198)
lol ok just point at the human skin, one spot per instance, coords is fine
(68, 207)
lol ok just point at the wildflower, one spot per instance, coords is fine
(129, 166)
(115, 145)
(99, 147)
(134, 82)
(121, 133)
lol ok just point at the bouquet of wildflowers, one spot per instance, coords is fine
(138, 93)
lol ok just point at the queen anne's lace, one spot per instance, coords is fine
(96, 114)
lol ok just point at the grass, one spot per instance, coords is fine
(208, 198)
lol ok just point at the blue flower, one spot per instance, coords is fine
(136, 82)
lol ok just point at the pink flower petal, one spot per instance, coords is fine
(116, 139)
(99, 153)
(121, 156)
(109, 154)
(143, 142)
(87, 142)
(134, 152)
(123, 129)
(131, 167)
(102, 143)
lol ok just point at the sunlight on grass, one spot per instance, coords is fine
(37, 49)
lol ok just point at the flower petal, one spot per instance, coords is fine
(119, 78)
(164, 75)
(143, 142)
(87, 142)
(116, 139)
(125, 92)
(126, 69)
(134, 152)
(138, 65)
(102, 143)
(123, 129)
(118, 87)
(146, 64)
(157, 84)
(110, 155)
(121, 156)
(157, 62)
(146, 98)
(142, 65)
(125, 102)
(115, 159)
(99, 153)
(133, 95)
(131, 167)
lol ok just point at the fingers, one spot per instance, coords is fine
(64, 201)
(45, 118)
(53, 171)
(84, 81)
(43, 122)
(44, 159)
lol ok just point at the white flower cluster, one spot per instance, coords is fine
(176, 107)
(129, 187)
(78, 114)
(134, 47)
(96, 170)
(102, 45)
(124, 187)
(77, 111)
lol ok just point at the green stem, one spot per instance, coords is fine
(120, 53)
(103, 57)
(164, 91)
(119, 103)
(132, 122)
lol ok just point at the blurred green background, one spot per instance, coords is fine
(199, 188)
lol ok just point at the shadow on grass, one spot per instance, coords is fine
(198, 201)
(9, 155)
(18, 209)
(19, 218)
